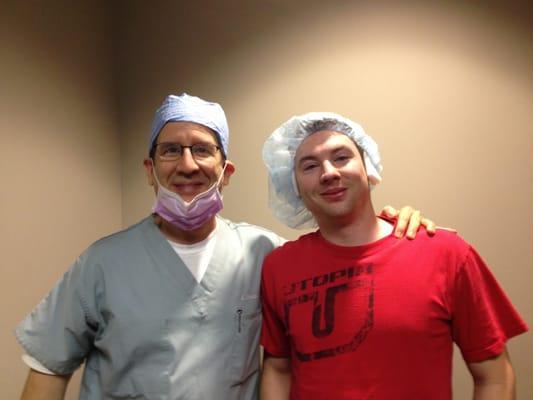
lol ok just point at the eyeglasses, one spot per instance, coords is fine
(167, 151)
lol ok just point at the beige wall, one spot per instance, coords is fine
(60, 163)
(446, 90)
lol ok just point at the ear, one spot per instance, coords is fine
(230, 169)
(149, 170)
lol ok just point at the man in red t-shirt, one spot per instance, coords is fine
(350, 311)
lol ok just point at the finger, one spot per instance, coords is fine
(431, 227)
(446, 229)
(389, 211)
(403, 219)
(414, 224)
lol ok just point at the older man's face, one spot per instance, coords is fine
(188, 175)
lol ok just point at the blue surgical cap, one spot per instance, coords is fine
(191, 109)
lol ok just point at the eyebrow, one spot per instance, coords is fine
(180, 144)
(332, 151)
(306, 158)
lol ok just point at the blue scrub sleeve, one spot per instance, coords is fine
(60, 331)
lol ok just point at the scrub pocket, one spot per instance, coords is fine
(247, 331)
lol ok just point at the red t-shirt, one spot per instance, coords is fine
(378, 321)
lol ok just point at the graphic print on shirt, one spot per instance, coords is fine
(330, 314)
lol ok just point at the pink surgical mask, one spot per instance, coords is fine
(188, 215)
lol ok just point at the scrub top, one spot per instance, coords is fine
(146, 329)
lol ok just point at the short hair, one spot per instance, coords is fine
(328, 124)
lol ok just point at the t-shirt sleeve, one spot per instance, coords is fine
(274, 338)
(483, 318)
(60, 331)
(36, 365)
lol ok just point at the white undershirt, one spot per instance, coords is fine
(36, 365)
(195, 256)
(198, 255)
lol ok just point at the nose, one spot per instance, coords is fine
(186, 163)
(329, 172)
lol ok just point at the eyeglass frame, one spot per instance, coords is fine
(154, 153)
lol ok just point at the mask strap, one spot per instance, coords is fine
(154, 173)
(219, 180)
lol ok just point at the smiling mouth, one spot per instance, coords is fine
(333, 194)
(187, 188)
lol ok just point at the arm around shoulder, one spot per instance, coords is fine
(494, 378)
(275, 378)
(44, 387)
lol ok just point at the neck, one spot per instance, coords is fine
(355, 230)
(175, 234)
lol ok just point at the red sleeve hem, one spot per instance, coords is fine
(481, 355)
(275, 353)
(495, 349)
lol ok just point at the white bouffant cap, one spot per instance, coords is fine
(278, 155)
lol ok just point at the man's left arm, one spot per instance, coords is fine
(494, 378)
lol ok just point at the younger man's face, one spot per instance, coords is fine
(330, 175)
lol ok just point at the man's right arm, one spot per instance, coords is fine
(275, 378)
(45, 387)
(494, 378)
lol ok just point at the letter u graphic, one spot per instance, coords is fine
(328, 314)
